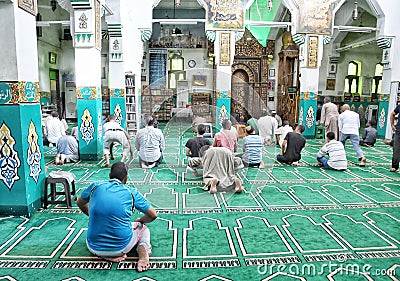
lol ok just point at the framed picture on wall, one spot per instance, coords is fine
(312, 53)
(271, 72)
(52, 57)
(28, 5)
(271, 85)
(330, 84)
(199, 80)
(332, 68)
(225, 48)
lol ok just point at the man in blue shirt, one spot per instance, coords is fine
(110, 205)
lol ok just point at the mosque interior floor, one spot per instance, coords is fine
(290, 223)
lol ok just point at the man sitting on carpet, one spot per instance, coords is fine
(252, 149)
(226, 137)
(150, 143)
(286, 128)
(67, 150)
(114, 133)
(54, 129)
(193, 147)
(369, 134)
(110, 205)
(292, 146)
(337, 155)
(219, 170)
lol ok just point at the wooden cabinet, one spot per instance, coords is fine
(201, 104)
(288, 85)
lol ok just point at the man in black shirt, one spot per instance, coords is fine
(292, 146)
(193, 147)
(396, 139)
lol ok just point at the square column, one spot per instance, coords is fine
(87, 42)
(224, 54)
(117, 76)
(22, 170)
(309, 70)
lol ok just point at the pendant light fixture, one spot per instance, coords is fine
(269, 5)
(355, 11)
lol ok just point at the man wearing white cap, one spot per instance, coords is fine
(277, 117)
(267, 126)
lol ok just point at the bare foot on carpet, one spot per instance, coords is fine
(115, 259)
(143, 262)
(238, 186)
(213, 188)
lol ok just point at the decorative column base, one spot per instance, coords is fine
(308, 113)
(90, 127)
(21, 154)
(118, 106)
(223, 109)
(383, 115)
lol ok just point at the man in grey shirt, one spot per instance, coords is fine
(369, 135)
(67, 150)
(150, 143)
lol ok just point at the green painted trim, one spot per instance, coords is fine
(90, 157)
(22, 210)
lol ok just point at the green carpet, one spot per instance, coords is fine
(290, 223)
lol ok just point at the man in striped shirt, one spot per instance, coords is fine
(252, 149)
(337, 155)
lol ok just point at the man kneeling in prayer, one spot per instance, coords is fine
(219, 171)
(110, 205)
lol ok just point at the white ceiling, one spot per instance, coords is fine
(185, 4)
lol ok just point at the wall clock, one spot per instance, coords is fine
(192, 63)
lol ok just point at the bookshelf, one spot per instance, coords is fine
(158, 102)
(130, 100)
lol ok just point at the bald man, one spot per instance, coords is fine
(349, 128)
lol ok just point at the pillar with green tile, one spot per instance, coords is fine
(87, 43)
(119, 103)
(224, 51)
(22, 170)
(309, 76)
(382, 114)
(307, 113)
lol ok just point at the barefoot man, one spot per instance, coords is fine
(109, 204)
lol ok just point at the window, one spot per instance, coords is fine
(377, 82)
(352, 80)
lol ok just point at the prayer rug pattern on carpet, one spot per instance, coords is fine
(289, 223)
